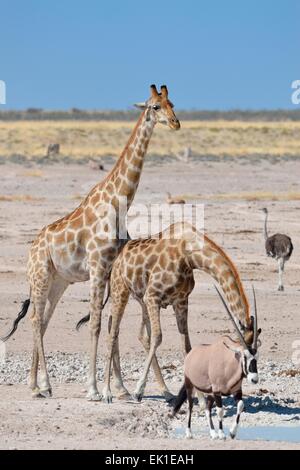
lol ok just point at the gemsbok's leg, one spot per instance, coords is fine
(240, 406)
(189, 390)
(220, 415)
(209, 404)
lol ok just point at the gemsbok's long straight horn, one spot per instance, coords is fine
(255, 330)
(232, 319)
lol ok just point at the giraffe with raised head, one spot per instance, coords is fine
(158, 272)
(83, 245)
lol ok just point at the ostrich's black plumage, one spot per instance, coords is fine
(279, 246)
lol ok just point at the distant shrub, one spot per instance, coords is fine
(131, 115)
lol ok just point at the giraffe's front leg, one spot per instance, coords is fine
(97, 289)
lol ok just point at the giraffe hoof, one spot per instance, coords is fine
(232, 435)
(47, 393)
(107, 398)
(221, 435)
(137, 397)
(281, 288)
(36, 393)
(95, 396)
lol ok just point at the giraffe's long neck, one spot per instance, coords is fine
(124, 178)
(212, 259)
(266, 226)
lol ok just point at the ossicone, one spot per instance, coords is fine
(164, 91)
(154, 91)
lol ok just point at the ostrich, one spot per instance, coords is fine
(278, 246)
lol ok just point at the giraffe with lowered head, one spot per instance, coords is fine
(83, 245)
(158, 272)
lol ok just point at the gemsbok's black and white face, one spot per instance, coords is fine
(250, 366)
(248, 354)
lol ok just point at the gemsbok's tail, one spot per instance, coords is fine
(21, 315)
(179, 400)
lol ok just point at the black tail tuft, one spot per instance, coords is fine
(21, 315)
(179, 400)
(82, 321)
(87, 317)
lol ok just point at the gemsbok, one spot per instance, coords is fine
(217, 370)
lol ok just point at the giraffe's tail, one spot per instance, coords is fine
(82, 321)
(85, 319)
(21, 314)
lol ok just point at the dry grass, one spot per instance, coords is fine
(32, 173)
(88, 139)
(20, 198)
(247, 196)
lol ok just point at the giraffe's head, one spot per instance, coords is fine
(160, 108)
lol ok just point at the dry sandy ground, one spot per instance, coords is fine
(68, 420)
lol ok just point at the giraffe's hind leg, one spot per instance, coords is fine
(119, 299)
(58, 287)
(40, 288)
(121, 390)
(144, 337)
(98, 279)
(156, 338)
(181, 313)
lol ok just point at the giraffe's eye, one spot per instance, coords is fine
(156, 107)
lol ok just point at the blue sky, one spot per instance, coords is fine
(94, 54)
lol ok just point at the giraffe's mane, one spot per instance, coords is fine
(235, 273)
(114, 168)
(120, 159)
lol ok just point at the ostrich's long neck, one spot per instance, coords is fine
(212, 259)
(266, 226)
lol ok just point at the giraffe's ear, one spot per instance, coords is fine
(140, 105)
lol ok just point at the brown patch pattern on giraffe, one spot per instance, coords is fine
(158, 273)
